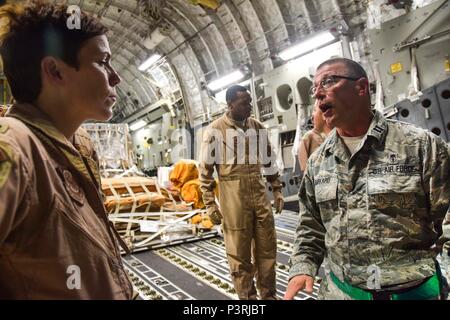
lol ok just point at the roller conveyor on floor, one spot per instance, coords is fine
(199, 270)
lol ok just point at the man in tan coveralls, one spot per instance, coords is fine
(55, 239)
(235, 143)
(313, 138)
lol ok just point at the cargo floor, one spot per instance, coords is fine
(199, 270)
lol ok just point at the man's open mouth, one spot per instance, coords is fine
(325, 107)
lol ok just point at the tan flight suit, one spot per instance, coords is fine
(308, 144)
(247, 212)
(55, 239)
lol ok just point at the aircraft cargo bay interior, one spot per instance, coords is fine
(225, 149)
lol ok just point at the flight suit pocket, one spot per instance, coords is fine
(231, 205)
(396, 193)
(400, 207)
(326, 196)
(70, 184)
(76, 226)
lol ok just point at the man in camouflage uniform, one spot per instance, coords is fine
(246, 210)
(55, 238)
(374, 201)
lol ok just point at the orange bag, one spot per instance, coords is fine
(190, 192)
(182, 172)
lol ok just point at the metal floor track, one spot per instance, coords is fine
(199, 270)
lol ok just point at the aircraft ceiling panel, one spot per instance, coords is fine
(272, 22)
(243, 32)
(185, 30)
(214, 44)
(128, 5)
(232, 35)
(190, 86)
(248, 20)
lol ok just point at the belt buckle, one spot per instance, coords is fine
(381, 295)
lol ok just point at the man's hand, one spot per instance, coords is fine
(297, 283)
(278, 201)
(215, 215)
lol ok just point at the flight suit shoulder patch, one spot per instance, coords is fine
(5, 167)
(3, 128)
(6, 152)
(3, 156)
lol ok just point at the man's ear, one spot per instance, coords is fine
(51, 70)
(362, 86)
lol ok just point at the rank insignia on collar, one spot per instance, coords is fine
(393, 158)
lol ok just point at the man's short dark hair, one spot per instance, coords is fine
(232, 91)
(34, 30)
(353, 67)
